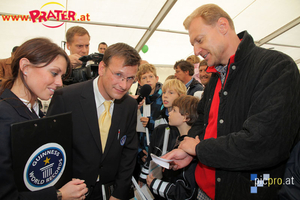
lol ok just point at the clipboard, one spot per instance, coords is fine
(42, 152)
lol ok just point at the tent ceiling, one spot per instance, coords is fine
(273, 24)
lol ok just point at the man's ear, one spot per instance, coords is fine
(157, 79)
(223, 25)
(24, 65)
(101, 68)
(68, 46)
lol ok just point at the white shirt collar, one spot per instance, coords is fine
(35, 106)
(99, 98)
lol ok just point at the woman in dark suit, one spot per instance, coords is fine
(37, 69)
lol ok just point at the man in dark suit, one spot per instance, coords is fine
(115, 165)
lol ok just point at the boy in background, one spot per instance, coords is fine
(147, 75)
(178, 184)
(171, 89)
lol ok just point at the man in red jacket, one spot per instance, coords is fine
(249, 114)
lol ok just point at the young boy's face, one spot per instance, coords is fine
(150, 79)
(175, 117)
(169, 96)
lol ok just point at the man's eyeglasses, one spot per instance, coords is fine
(120, 77)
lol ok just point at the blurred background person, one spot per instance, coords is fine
(78, 43)
(195, 60)
(5, 66)
(102, 47)
(204, 77)
(203, 74)
(184, 72)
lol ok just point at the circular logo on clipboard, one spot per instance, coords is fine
(44, 167)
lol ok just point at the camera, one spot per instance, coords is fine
(85, 72)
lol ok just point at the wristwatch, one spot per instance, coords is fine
(59, 195)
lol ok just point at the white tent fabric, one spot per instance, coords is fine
(273, 24)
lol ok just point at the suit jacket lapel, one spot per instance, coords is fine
(17, 104)
(90, 111)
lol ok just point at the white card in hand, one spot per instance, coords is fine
(160, 161)
(146, 110)
(139, 124)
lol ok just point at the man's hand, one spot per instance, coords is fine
(189, 145)
(180, 159)
(75, 62)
